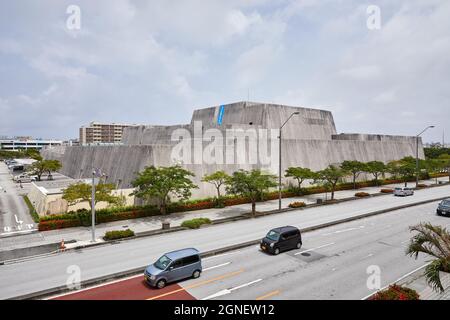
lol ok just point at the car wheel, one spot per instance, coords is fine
(276, 251)
(299, 245)
(161, 284)
(196, 274)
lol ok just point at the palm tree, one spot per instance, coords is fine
(433, 241)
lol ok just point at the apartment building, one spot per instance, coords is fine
(102, 133)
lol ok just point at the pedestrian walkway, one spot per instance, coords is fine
(83, 234)
(418, 282)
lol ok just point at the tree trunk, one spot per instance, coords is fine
(354, 182)
(163, 207)
(333, 189)
(253, 208)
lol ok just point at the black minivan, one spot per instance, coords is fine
(281, 239)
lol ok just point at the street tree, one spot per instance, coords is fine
(251, 184)
(41, 166)
(160, 183)
(217, 179)
(433, 241)
(405, 168)
(444, 159)
(355, 168)
(330, 177)
(82, 192)
(299, 174)
(377, 169)
(434, 166)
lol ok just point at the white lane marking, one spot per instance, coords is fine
(8, 233)
(228, 291)
(399, 279)
(368, 256)
(7, 229)
(325, 245)
(30, 226)
(218, 266)
(17, 220)
(221, 255)
(345, 230)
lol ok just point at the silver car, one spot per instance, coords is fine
(403, 192)
(174, 266)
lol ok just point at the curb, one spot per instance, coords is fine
(63, 289)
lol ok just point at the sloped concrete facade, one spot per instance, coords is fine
(309, 139)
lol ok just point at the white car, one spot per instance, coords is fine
(23, 178)
(403, 192)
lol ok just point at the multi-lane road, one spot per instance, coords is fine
(14, 214)
(340, 248)
(335, 263)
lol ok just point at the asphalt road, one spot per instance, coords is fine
(15, 218)
(333, 264)
(52, 271)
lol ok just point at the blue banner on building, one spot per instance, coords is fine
(220, 116)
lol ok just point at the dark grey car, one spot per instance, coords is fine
(281, 239)
(444, 208)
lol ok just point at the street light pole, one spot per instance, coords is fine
(417, 153)
(93, 205)
(279, 160)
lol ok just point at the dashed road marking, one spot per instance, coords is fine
(304, 251)
(345, 230)
(218, 266)
(198, 284)
(268, 295)
(228, 291)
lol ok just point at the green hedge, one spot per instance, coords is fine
(195, 223)
(396, 292)
(120, 234)
(33, 212)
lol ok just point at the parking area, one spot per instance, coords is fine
(15, 218)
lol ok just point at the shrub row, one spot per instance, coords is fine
(195, 223)
(120, 234)
(297, 204)
(387, 190)
(396, 292)
(362, 194)
(33, 212)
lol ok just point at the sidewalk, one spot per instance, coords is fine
(417, 282)
(83, 234)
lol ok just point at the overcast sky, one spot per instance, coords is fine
(153, 62)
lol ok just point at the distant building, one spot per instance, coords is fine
(102, 133)
(25, 143)
(71, 142)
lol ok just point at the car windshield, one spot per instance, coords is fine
(272, 235)
(446, 203)
(162, 263)
(398, 188)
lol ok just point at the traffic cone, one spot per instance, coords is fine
(62, 247)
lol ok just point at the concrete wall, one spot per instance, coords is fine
(53, 203)
(309, 140)
(121, 163)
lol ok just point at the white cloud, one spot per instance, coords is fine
(140, 61)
